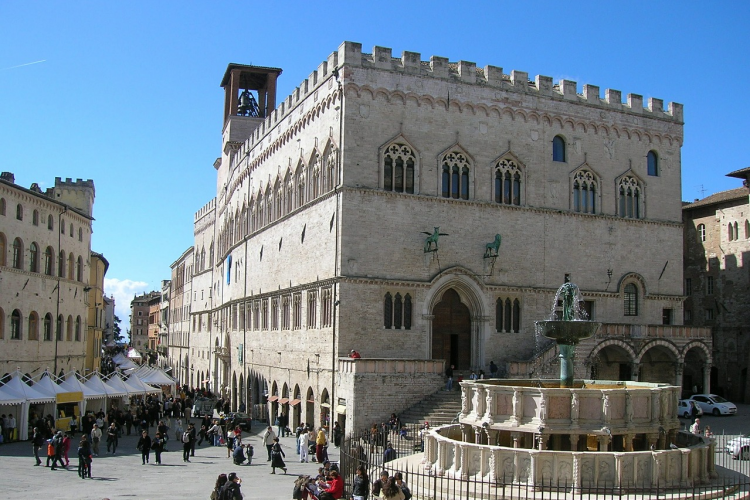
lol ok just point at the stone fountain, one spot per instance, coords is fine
(569, 331)
(585, 433)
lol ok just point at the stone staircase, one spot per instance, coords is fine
(440, 408)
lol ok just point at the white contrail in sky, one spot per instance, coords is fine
(21, 65)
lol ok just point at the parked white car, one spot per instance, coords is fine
(711, 404)
(739, 447)
(687, 407)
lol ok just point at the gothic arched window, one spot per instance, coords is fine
(455, 177)
(507, 184)
(585, 188)
(399, 163)
(629, 191)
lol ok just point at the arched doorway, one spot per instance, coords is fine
(310, 408)
(451, 331)
(657, 365)
(612, 362)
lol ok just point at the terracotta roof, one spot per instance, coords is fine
(720, 197)
(742, 173)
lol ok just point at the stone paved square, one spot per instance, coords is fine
(122, 475)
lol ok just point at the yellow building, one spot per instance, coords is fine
(98, 267)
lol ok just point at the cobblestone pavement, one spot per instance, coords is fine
(122, 475)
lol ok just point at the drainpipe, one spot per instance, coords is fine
(57, 311)
(334, 298)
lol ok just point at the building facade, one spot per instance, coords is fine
(140, 310)
(717, 284)
(424, 213)
(45, 248)
(163, 342)
(108, 335)
(180, 317)
(97, 312)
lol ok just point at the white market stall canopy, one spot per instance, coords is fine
(133, 354)
(19, 389)
(123, 362)
(96, 384)
(72, 384)
(135, 382)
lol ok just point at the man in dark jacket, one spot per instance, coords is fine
(231, 490)
(57, 443)
(37, 441)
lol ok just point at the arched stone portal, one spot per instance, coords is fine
(451, 331)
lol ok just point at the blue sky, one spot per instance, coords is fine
(128, 92)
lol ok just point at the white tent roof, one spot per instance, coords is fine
(47, 386)
(132, 353)
(118, 383)
(18, 389)
(72, 384)
(155, 376)
(123, 362)
(96, 383)
(134, 381)
(6, 398)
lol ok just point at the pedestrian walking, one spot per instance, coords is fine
(268, 438)
(303, 445)
(231, 490)
(191, 430)
(157, 444)
(186, 445)
(57, 445)
(276, 457)
(96, 436)
(112, 438)
(66, 448)
(220, 482)
(84, 457)
(144, 445)
(37, 441)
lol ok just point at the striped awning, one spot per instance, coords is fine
(271, 399)
(283, 401)
(295, 402)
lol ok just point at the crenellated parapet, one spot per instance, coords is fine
(208, 207)
(350, 55)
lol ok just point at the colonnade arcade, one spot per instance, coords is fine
(657, 361)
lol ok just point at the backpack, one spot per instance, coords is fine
(227, 491)
(186, 437)
(407, 492)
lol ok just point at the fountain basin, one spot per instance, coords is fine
(567, 332)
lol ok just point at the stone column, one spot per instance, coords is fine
(489, 405)
(517, 407)
(574, 438)
(532, 470)
(712, 460)
(574, 409)
(603, 443)
(465, 400)
(678, 370)
(441, 457)
(635, 369)
(628, 441)
(685, 480)
(706, 378)
(516, 438)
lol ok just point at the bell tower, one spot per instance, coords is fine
(239, 83)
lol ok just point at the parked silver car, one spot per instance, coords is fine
(714, 405)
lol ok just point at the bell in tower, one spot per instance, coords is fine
(250, 91)
(248, 105)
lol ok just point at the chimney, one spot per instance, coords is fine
(9, 177)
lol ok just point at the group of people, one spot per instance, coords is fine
(695, 428)
(494, 370)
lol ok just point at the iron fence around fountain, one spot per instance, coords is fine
(367, 448)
